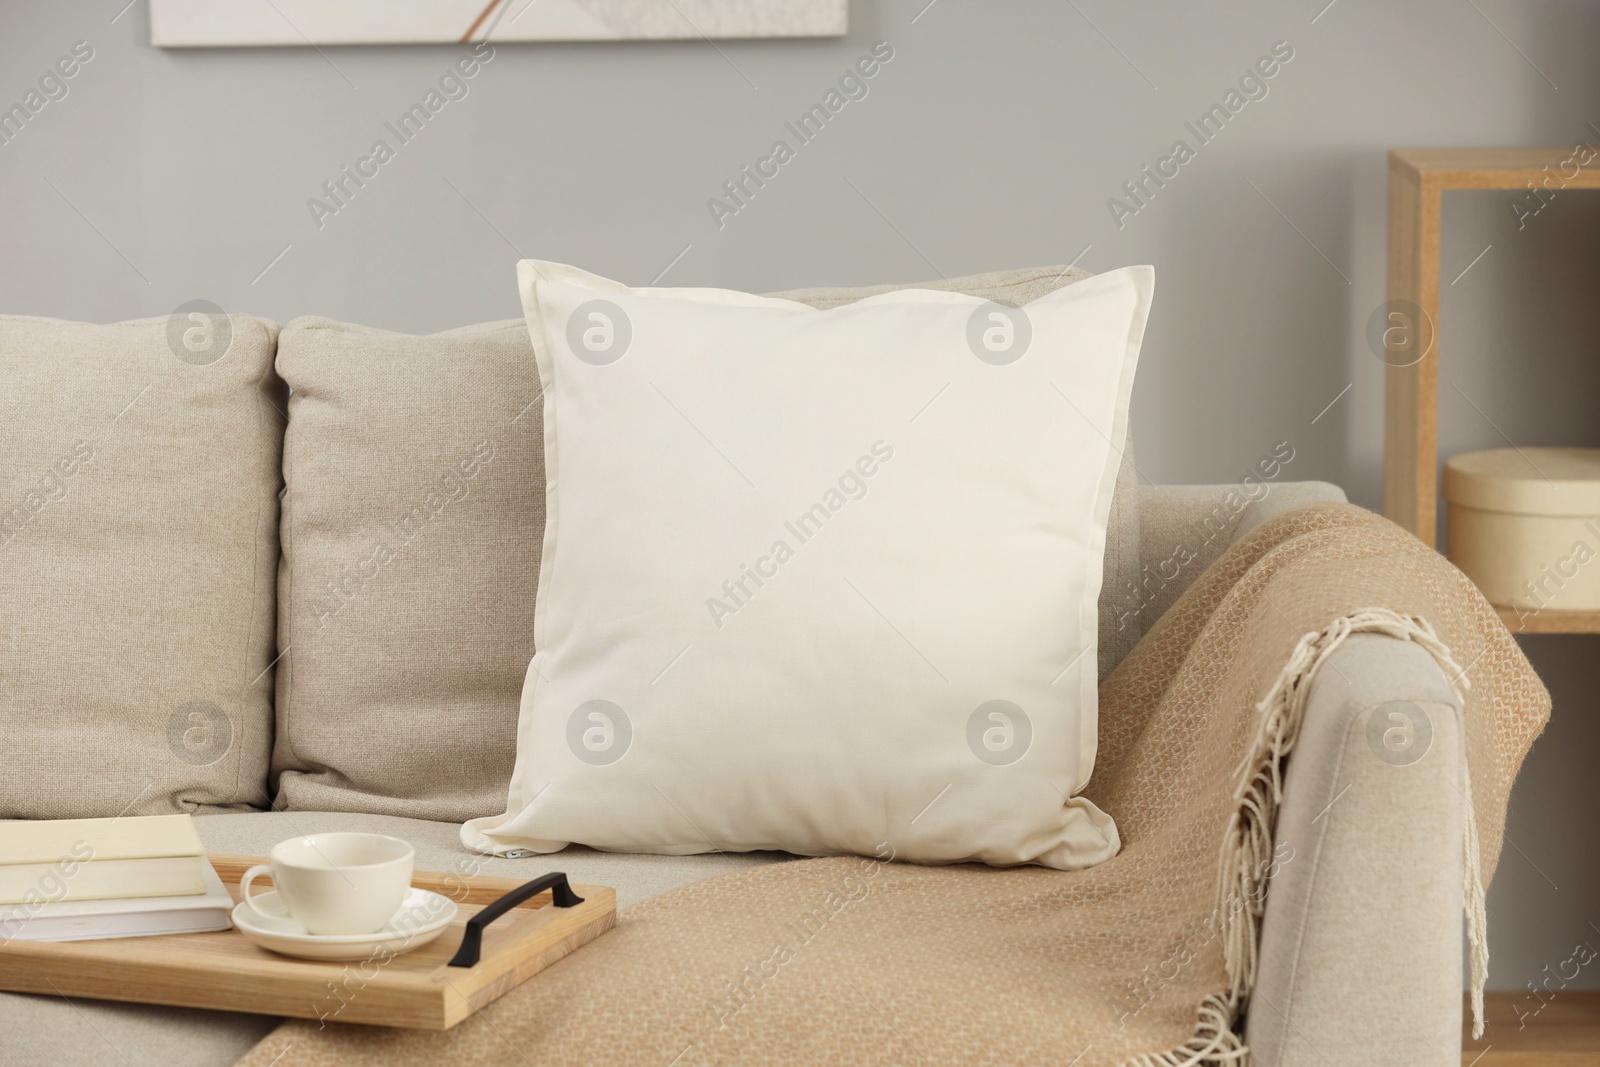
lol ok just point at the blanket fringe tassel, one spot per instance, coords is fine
(1247, 852)
(1214, 1040)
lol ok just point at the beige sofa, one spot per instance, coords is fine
(1361, 947)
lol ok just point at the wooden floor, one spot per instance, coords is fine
(1520, 1031)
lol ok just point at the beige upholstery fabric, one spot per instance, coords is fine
(1012, 288)
(1183, 529)
(53, 1032)
(1120, 630)
(44, 1031)
(412, 518)
(138, 547)
(1361, 941)
(1282, 497)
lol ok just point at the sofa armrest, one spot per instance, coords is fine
(1361, 950)
(1285, 497)
(1184, 528)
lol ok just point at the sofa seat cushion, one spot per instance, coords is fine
(439, 848)
(49, 1031)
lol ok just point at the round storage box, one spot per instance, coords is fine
(1525, 525)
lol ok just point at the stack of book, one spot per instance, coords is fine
(81, 879)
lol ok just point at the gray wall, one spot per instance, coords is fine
(994, 138)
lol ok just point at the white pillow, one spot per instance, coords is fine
(820, 581)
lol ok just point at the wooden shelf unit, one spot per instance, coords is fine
(1418, 178)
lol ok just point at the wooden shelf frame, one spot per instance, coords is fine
(1418, 179)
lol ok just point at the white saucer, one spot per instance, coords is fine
(423, 916)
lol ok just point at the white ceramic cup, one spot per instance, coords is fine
(338, 883)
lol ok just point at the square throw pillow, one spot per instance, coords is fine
(820, 581)
(138, 547)
(412, 518)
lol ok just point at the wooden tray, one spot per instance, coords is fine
(224, 972)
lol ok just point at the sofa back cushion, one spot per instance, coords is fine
(412, 519)
(139, 477)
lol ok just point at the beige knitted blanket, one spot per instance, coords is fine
(847, 960)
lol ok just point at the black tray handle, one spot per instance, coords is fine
(561, 895)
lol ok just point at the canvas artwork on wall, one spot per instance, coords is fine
(225, 23)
